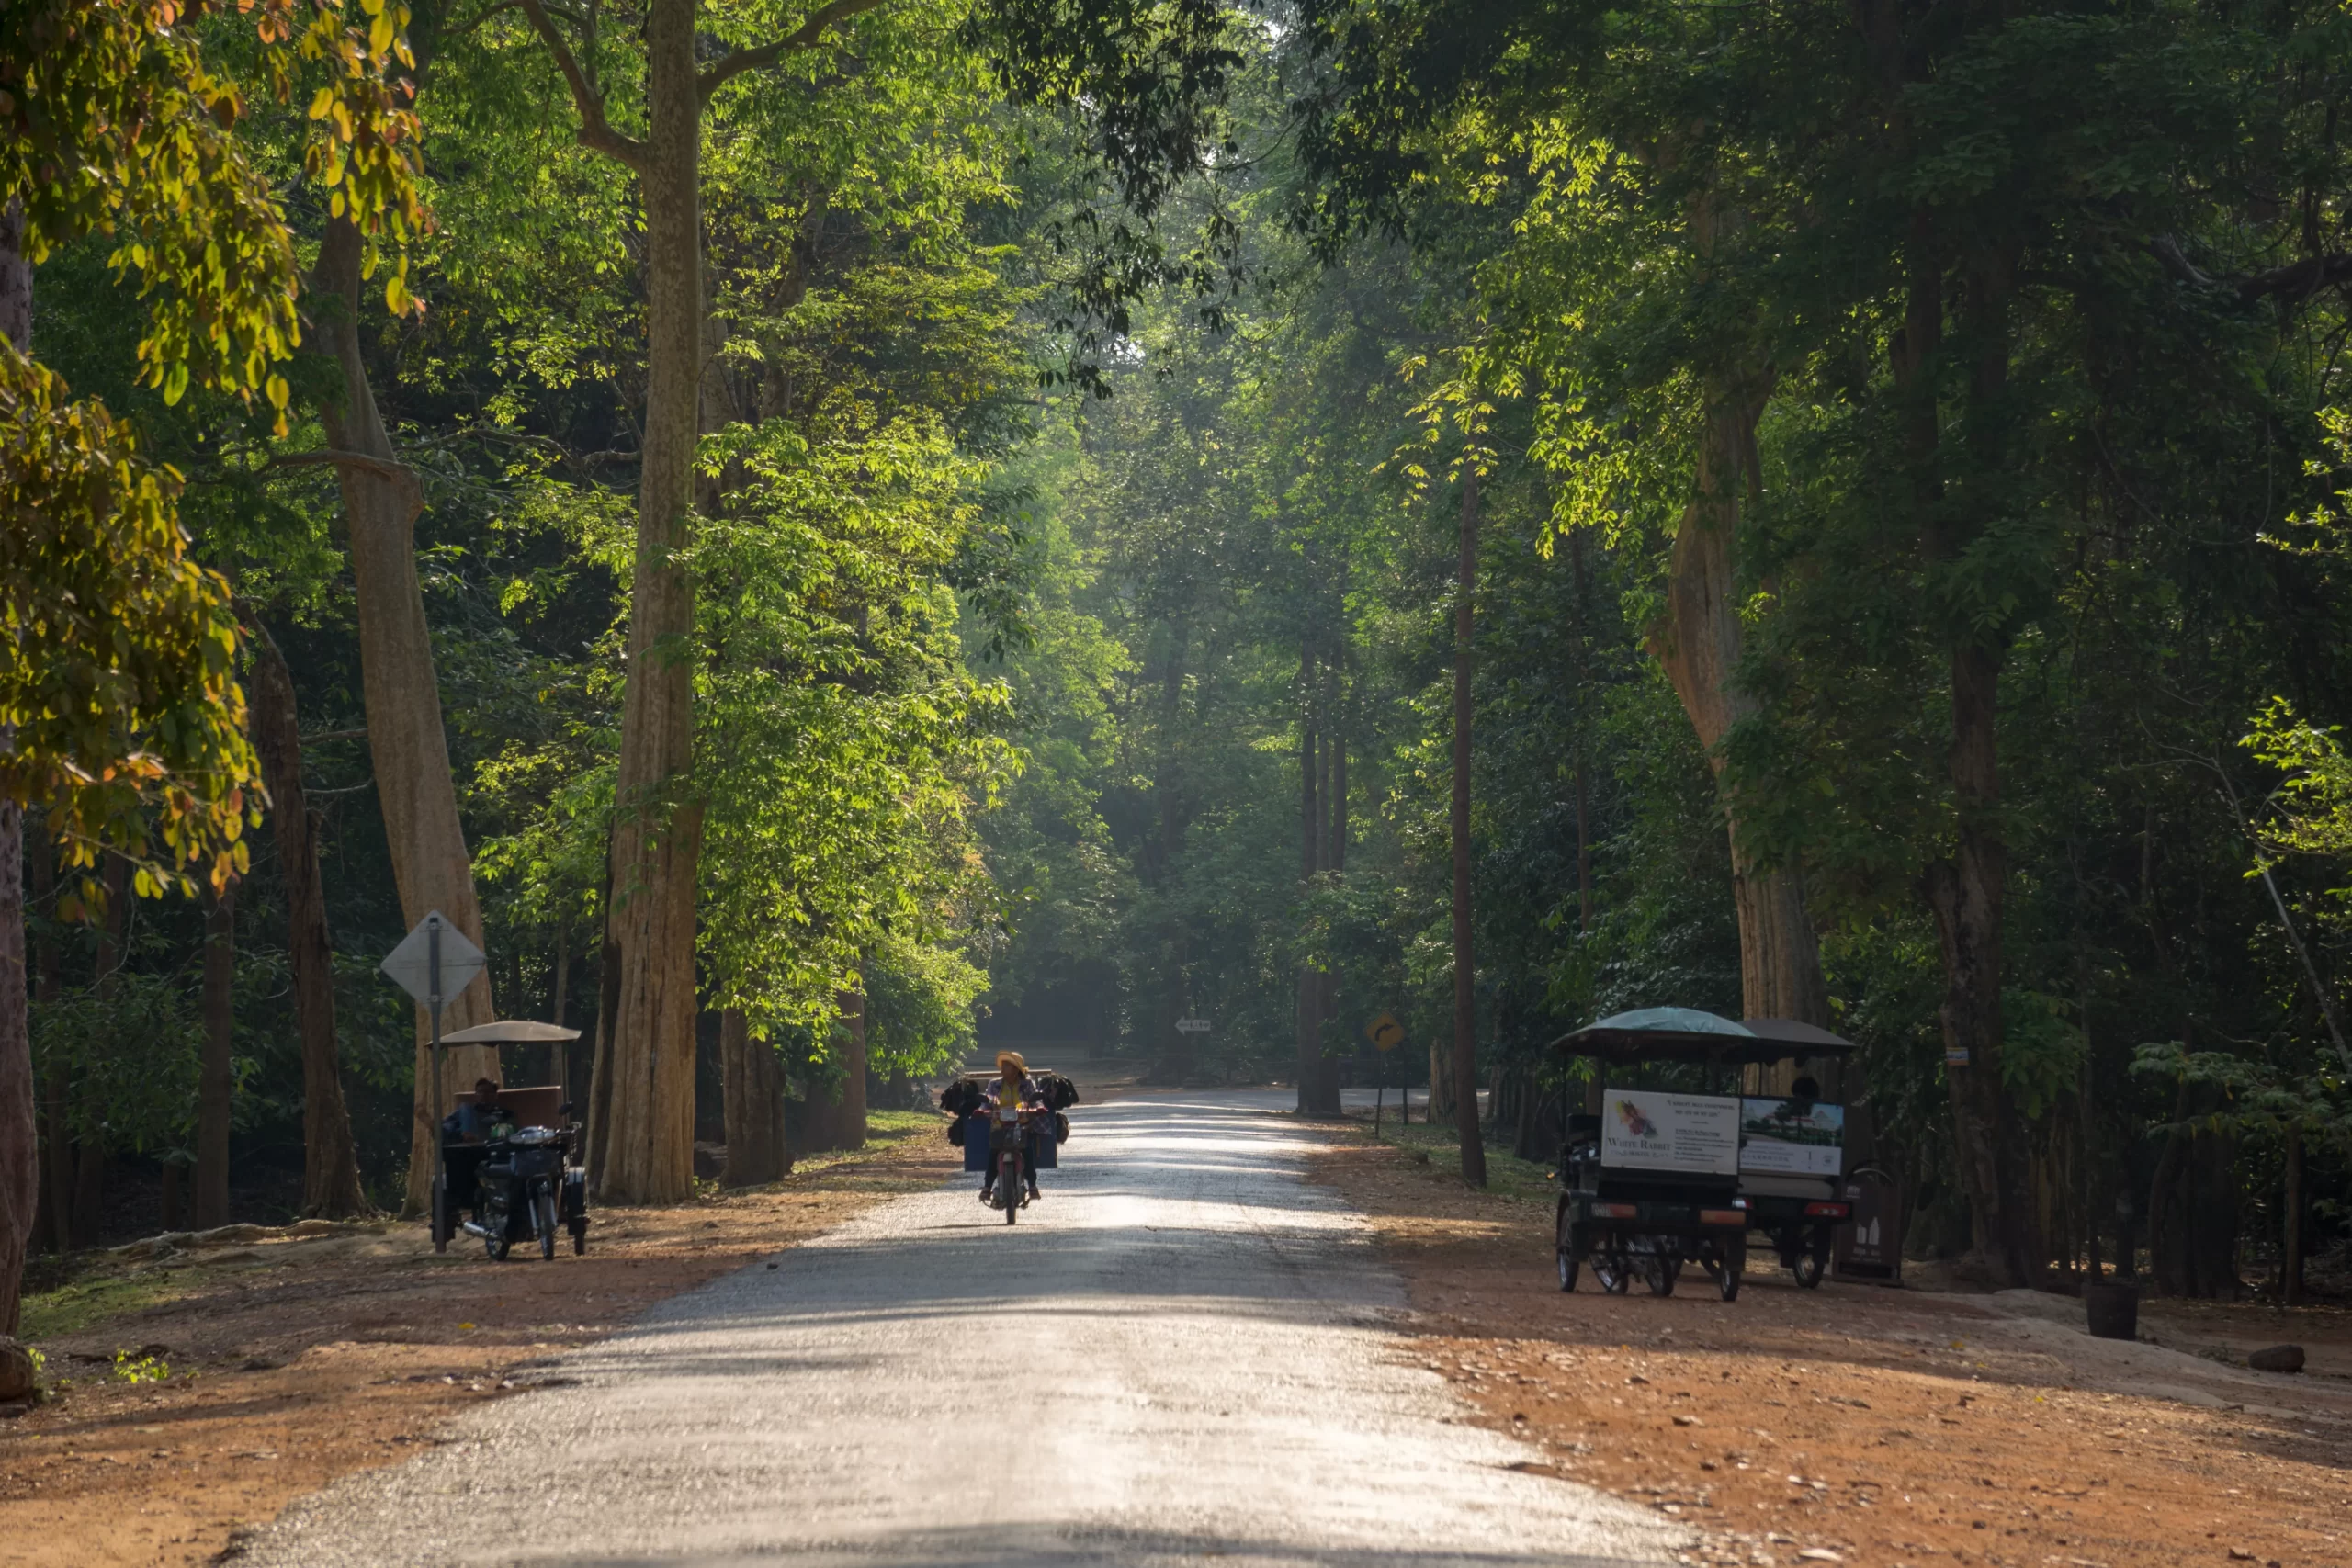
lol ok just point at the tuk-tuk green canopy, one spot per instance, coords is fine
(1687, 1035)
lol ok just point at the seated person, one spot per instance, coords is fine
(472, 1123)
(463, 1132)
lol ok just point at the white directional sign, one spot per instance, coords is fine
(1192, 1026)
(412, 963)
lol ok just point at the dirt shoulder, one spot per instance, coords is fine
(203, 1392)
(1864, 1425)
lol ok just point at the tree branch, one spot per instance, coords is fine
(400, 475)
(2296, 281)
(595, 132)
(805, 37)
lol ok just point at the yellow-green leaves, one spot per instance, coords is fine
(120, 681)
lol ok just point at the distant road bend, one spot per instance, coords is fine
(1182, 1354)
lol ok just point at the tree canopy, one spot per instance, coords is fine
(943, 526)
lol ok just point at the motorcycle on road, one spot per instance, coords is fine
(1009, 1133)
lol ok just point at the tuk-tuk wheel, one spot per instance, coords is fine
(543, 1215)
(1809, 1264)
(579, 1236)
(1613, 1272)
(496, 1245)
(1659, 1272)
(1734, 1264)
(1569, 1248)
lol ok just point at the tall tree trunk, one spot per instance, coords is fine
(838, 1121)
(648, 1146)
(1318, 1081)
(1779, 959)
(19, 1146)
(600, 1062)
(19, 1136)
(1465, 1000)
(90, 1153)
(330, 1185)
(559, 987)
(1584, 696)
(411, 751)
(2290, 1240)
(1335, 859)
(559, 993)
(1965, 892)
(754, 1085)
(1698, 645)
(57, 1089)
(217, 1082)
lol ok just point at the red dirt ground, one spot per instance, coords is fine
(292, 1362)
(1879, 1427)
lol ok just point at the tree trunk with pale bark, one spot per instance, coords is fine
(835, 1118)
(648, 1139)
(331, 1184)
(381, 499)
(1699, 645)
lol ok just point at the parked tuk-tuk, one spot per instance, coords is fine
(523, 1180)
(1662, 1177)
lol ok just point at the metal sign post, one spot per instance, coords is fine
(433, 962)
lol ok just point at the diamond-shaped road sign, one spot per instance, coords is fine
(1386, 1032)
(411, 964)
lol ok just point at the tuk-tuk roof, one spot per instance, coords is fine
(511, 1032)
(1687, 1035)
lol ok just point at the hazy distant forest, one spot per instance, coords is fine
(951, 530)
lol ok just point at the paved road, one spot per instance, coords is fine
(1179, 1354)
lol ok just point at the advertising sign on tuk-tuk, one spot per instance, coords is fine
(1646, 1130)
(1793, 1137)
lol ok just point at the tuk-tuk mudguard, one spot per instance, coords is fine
(1650, 1217)
(1778, 1214)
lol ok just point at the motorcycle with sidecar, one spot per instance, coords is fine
(523, 1182)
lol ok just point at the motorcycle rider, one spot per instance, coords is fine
(1011, 1086)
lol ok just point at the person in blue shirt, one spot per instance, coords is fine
(472, 1123)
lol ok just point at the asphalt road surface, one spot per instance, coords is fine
(1182, 1353)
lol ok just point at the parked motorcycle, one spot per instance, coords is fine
(528, 1193)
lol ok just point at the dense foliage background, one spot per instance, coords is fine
(1018, 610)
